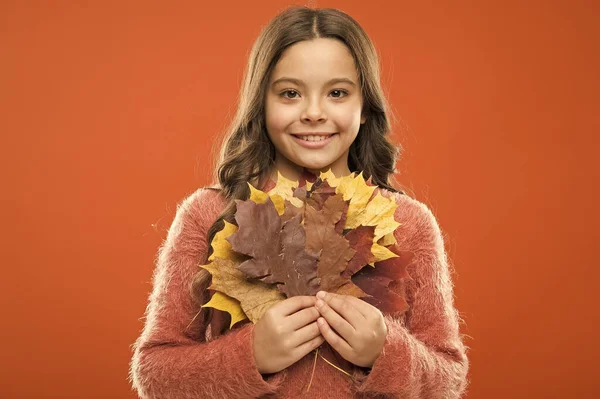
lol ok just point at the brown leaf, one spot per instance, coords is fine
(301, 192)
(277, 251)
(317, 196)
(258, 230)
(361, 241)
(306, 176)
(255, 297)
(319, 193)
(334, 250)
(290, 211)
(378, 281)
(339, 226)
(298, 269)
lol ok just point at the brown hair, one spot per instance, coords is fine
(247, 153)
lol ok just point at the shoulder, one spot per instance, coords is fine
(201, 200)
(419, 228)
(198, 210)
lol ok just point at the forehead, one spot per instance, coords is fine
(315, 61)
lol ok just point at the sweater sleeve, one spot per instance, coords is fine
(171, 358)
(423, 356)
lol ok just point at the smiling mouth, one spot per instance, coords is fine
(314, 138)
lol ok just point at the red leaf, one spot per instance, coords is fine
(306, 176)
(377, 281)
(361, 241)
(319, 193)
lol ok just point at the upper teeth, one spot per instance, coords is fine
(313, 138)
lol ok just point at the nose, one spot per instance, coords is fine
(313, 112)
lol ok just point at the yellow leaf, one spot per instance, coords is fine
(331, 179)
(344, 186)
(224, 303)
(381, 253)
(284, 190)
(283, 186)
(359, 194)
(387, 240)
(379, 212)
(222, 247)
(257, 196)
(279, 203)
(255, 297)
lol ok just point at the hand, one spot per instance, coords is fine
(361, 327)
(286, 333)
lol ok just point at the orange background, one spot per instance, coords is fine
(109, 110)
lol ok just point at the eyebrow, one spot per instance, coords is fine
(300, 83)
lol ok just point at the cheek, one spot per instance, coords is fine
(278, 117)
(347, 118)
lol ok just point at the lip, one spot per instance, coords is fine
(314, 133)
(313, 144)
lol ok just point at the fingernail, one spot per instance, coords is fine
(321, 294)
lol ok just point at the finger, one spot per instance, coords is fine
(363, 307)
(305, 334)
(303, 317)
(294, 304)
(346, 309)
(336, 342)
(306, 347)
(336, 321)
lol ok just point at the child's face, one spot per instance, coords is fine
(302, 98)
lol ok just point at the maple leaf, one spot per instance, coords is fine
(221, 247)
(318, 194)
(257, 195)
(282, 191)
(378, 281)
(255, 297)
(379, 212)
(348, 224)
(227, 304)
(361, 241)
(387, 240)
(290, 211)
(277, 250)
(368, 207)
(332, 180)
(381, 253)
(326, 216)
(307, 179)
(333, 250)
(359, 194)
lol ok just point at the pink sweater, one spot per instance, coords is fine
(423, 356)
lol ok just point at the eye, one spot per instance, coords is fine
(340, 93)
(285, 92)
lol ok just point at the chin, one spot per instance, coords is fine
(315, 165)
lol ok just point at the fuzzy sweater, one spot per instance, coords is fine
(175, 358)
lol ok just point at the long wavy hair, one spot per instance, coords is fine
(246, 152)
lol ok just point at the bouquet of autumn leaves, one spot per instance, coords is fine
(334, 235)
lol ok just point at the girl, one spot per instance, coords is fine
(311, 101)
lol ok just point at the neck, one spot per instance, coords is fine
(291, 171)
